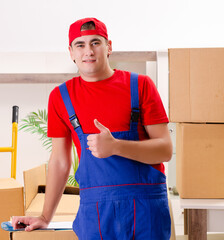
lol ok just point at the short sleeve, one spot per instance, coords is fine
(56, 125)
(152, 109)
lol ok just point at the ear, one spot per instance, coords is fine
(71, 53)
(109, 47)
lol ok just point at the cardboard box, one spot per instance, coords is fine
(11, 202)
(44, 235)
(34, 184)
(196, 85)
(200, 160)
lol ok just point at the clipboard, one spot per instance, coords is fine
(58, 226)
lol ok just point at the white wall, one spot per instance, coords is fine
(42, 25)
(31, 28)
(29, 97)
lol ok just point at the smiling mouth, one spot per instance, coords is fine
(89, 61)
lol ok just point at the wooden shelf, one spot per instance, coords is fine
(133, 56)
(61, 77)
(36, 77)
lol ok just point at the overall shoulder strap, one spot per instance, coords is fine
(134, 101)
(70, 109)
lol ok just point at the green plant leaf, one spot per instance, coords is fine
(72, 182)
(36, 123)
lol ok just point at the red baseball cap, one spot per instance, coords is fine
(75, 29)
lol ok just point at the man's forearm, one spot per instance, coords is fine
(58, 172)
(156, 150)
(56, 181)
(152, 151)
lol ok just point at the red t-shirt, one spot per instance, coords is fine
(108, 101)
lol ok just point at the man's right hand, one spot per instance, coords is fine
(30, 222)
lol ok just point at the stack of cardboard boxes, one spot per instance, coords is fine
(12, 204)
(197, 106)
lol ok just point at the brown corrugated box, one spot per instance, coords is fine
(11, 202)
(34, 182)
(44, 235)
(196, 85)
(200, 160)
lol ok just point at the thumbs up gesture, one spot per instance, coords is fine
(102, 145)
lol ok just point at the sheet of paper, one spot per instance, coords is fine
(60, 225)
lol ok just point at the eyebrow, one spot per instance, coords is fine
(95, 39)
(79, 42)
(82, 42)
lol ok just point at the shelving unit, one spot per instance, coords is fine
(116, 57)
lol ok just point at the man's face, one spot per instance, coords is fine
(90, 53)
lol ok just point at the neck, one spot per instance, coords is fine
(95, 77)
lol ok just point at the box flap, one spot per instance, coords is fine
(207, 85)
(9, 183)
(179, 84)
(68, 205)
(32, 179)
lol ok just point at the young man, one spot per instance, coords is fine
(118, 124)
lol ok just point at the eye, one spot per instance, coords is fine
(95, 43)
(80, 45)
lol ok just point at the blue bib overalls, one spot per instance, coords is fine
(119, 198)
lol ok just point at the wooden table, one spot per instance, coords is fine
(197, 215)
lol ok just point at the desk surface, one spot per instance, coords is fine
(202, 203)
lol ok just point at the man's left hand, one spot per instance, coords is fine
(101, 144)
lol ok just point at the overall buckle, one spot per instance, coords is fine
(134, 114)
(74, 121)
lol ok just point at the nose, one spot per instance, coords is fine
(89, 51)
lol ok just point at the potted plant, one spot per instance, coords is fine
(36, 123)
